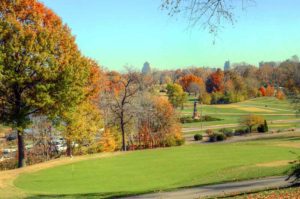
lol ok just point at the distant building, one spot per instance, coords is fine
(227, 66)
(146, 70)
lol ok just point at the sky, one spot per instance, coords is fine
(120, 33)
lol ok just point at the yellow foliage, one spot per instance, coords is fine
(108, 143)
(83, 122)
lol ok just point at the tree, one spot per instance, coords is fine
(262, 91)
(108, 142)
(251, 120)
(270, 91)
(215, 82)
(280, 95)
(176, 95)
(41, 68)
(192, 84)
(121, 95)
(158, 125)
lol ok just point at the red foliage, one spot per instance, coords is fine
(216, 81)
(262, 90)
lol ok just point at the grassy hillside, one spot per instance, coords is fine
(161, 169)
(268, 107)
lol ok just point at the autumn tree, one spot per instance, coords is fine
(176, 95)
(262, 91)
(215, 82)
(270, 91)
(41, 70)
(251, 120)
(120, 96)
(192, 84)
(280, 95)
(158, 124)
(108, 142)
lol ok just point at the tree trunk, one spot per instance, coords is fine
(69, 148)
(21, 149)
(123, 138)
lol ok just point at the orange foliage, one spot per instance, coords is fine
(270, 91)
(280, 95)
(95, 82)
(216, 82)
(113, 82)
(186, 80)
(262, 90)
(162, 129)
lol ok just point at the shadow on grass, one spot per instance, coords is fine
(79, 196)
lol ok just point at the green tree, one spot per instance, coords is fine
(176, 95)
(41, 68)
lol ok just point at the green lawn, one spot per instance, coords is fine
(161, 169)
(268, 107)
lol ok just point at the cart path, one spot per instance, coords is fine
(219, 189)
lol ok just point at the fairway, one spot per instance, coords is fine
(162, 169)
(268, 107)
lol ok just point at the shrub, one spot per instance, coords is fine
(262, 128)
(209, 132)
(226, 132)
(241, 131)
(220, 137)
(212, 137)
(8, 164)
(215, 137)
(198, 137)
(205, 118)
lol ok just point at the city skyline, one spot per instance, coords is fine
(134, 32)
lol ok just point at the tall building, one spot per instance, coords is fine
(227, 66)
(146, 70)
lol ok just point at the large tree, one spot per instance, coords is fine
(41, 68)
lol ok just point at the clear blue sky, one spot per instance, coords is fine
(130, 32)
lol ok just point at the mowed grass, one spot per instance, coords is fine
(268, 107)
(161, 169)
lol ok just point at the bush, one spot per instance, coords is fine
(212, 137)
(209, 132)
(220, 137)
(198, 137)
(216, 137)
(241, 131)
(205, 118)
(262, 128)
(226, 132)
(8, 164)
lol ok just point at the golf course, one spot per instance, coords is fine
(137, 172)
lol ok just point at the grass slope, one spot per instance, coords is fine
(268, 107)
(161, 169)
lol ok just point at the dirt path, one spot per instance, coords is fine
(219, 189)
(7, 188)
